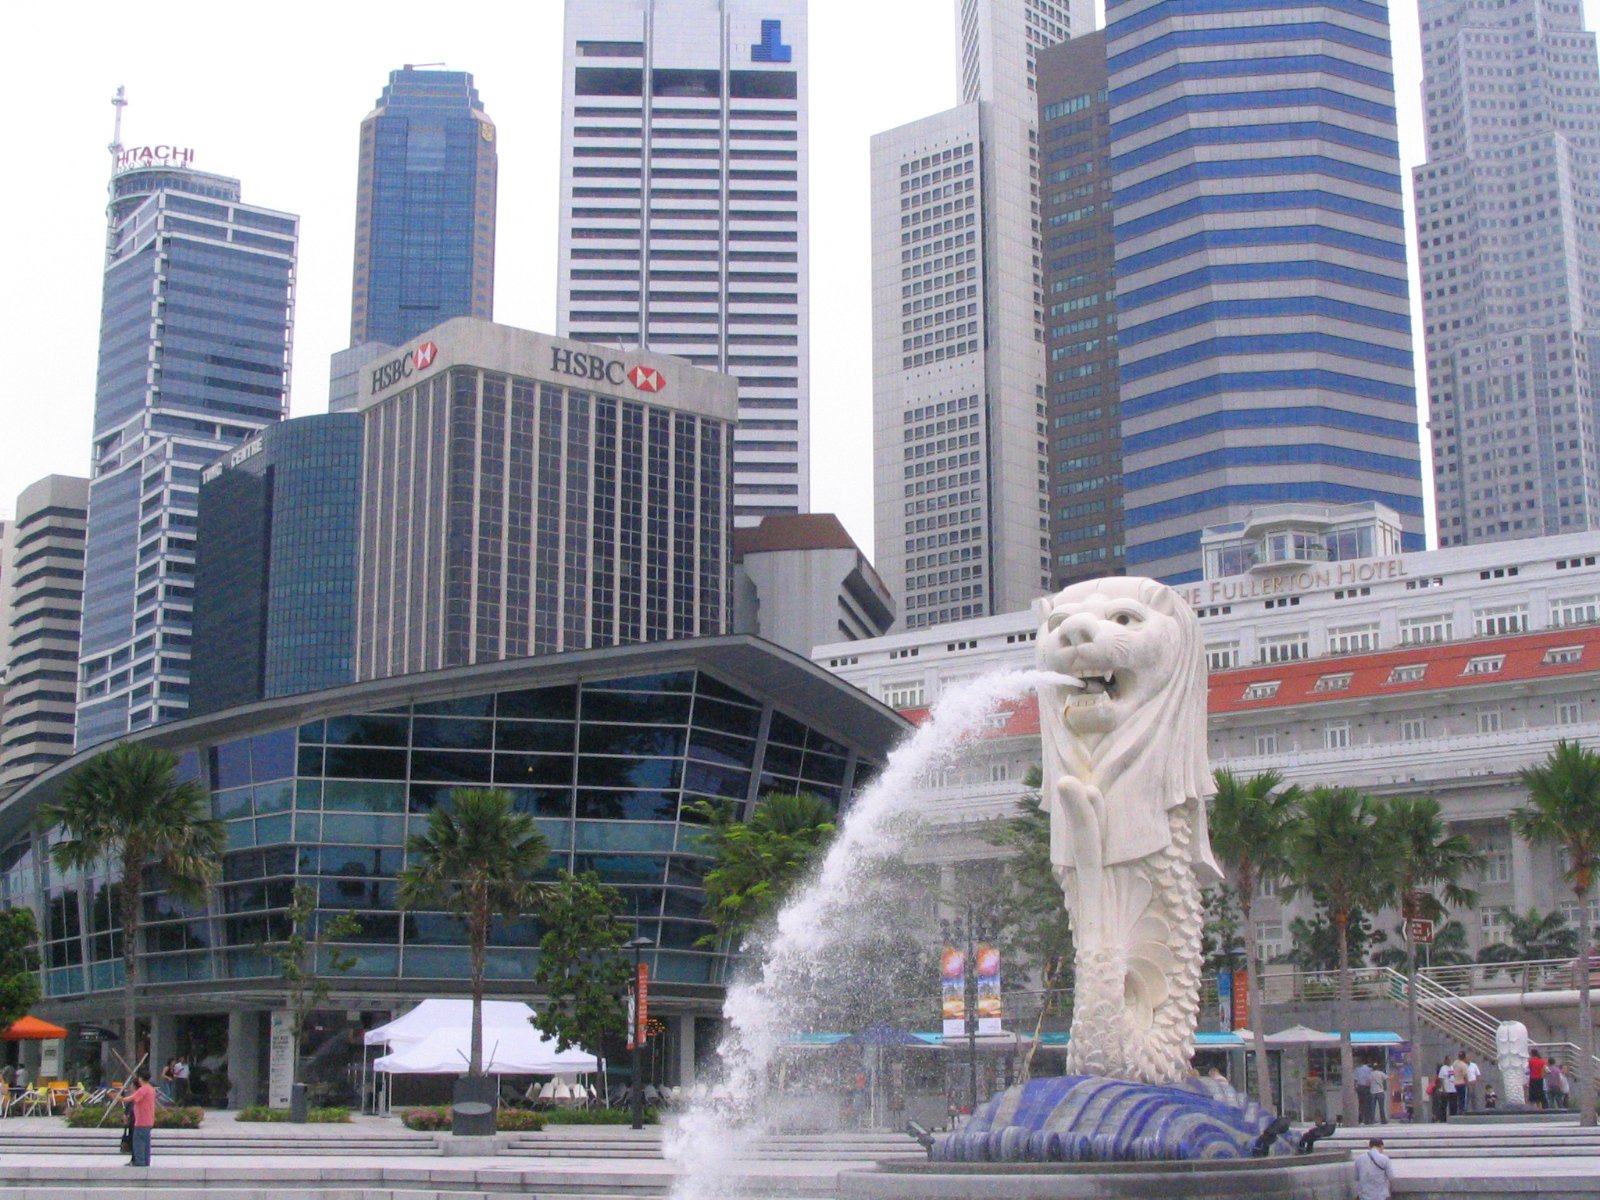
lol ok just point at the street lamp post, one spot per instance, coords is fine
(965, 930)
(636, 1034)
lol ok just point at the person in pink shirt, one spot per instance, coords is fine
(141, 1102)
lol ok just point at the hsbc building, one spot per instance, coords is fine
(526, 494)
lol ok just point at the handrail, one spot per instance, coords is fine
(1523, 975)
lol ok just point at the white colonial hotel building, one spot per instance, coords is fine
(1440, 673)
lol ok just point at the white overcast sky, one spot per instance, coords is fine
(274, 96)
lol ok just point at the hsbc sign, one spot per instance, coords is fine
(605, 370)
(395, 370)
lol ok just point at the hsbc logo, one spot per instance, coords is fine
(647, 379)
(605, 370)
(395, 370)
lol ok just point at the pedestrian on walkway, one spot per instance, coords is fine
(1374, 1174)
(180, 1080)
(1447, 1088)
(1363, 1082)
(1378, 1085)
(1557, 1087)
(1473, 1075)
(1462, 1078)
(1537, 1066)
(141, 1102)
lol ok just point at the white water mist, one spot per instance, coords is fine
(763, 1012)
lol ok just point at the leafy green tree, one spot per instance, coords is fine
(1564, 808)
(755, 864)
(19, 964)
(1428, 861)
(1314, 944)
(583, 968)
(1339, 855)
(1448, 948)
(1251, 822)
(1530, 937)
(305, 957)
(477, 858)
(127, 806)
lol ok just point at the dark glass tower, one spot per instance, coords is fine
(275, 564)
(195, 335)
(425, 208)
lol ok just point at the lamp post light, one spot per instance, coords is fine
(636, 1034)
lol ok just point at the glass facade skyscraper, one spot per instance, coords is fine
(195, 337)
(275, 564)
(1264, 331)
(425, 208)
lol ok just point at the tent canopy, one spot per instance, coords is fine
(32, 1029)
(507, 1050)
(430, 1015)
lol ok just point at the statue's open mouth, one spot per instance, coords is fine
(1089, 688)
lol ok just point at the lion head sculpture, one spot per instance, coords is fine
(1128, 714)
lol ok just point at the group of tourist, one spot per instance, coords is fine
(1372, 1093)
(1548, 1085)
(1453, 1089)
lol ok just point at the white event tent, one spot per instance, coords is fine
(435, 1038)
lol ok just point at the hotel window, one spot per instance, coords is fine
(999, 772)
(1269, 939)
(1496, 860)
(1411, 673)
(1569, 912)
(1261, 691)
(1354, 639)
(1222, 658)
(1333, 683)
(1266, 744)
(1286, 648)
(1488, 720)
(1493, 622)
(1493, 925)
(1413, 729)
(1569, 712)
(1337, 735)
(1557, 655)
(1575, 610)
(1415, 631)
(1486, 664)
(1267, 887)
(904, 695)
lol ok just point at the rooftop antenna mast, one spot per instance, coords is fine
(118, 102)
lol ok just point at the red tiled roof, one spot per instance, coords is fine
(1370, 675)
(1443, 663)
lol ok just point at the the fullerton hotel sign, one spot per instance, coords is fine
(1238, 588)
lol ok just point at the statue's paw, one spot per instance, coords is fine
(1074, 792)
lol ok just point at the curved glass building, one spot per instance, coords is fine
(606, 748)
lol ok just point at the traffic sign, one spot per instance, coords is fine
(1419, 929)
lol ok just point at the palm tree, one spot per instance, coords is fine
(1448, 948)
(1250, 823)
(1338, 853)
(1426, 857)
(477, 858)
(1530, 937)
(755, 864)
(1564, 807)
(126, 805)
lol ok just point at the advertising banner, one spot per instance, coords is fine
(280, 1058)
(990, 1009)
(953, 991)
(1225, 1000)
(642, 986)
(1241, 1000)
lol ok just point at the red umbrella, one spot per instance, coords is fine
(31, 1029)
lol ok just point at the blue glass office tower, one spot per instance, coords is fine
(425, 208)
(275, 564)
(195, 336)
(1264, 333)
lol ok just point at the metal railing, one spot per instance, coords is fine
(1530, 975)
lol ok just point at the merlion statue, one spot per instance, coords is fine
(1511, 1047)
(1125, 783)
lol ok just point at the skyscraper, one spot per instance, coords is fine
(1263, 327)
(1507, 206)
(683, 209)
(960, 500)
(195, 336)
(43, 579)
(1081, 392)
(425, 208)
(275, 564)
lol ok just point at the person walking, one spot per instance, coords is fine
(180, 1080)
(1462, 1076)
(1447, 1088)
(1537, 1066)
(1378, 1085)
(141, 1102)
(1557, 1087)
(1374, 1173)
(1473, 1075)
(21, 1080)
(1363, 1082)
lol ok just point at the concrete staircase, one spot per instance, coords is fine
(195, 1142)
(620, 1142)
(1463, 1141)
